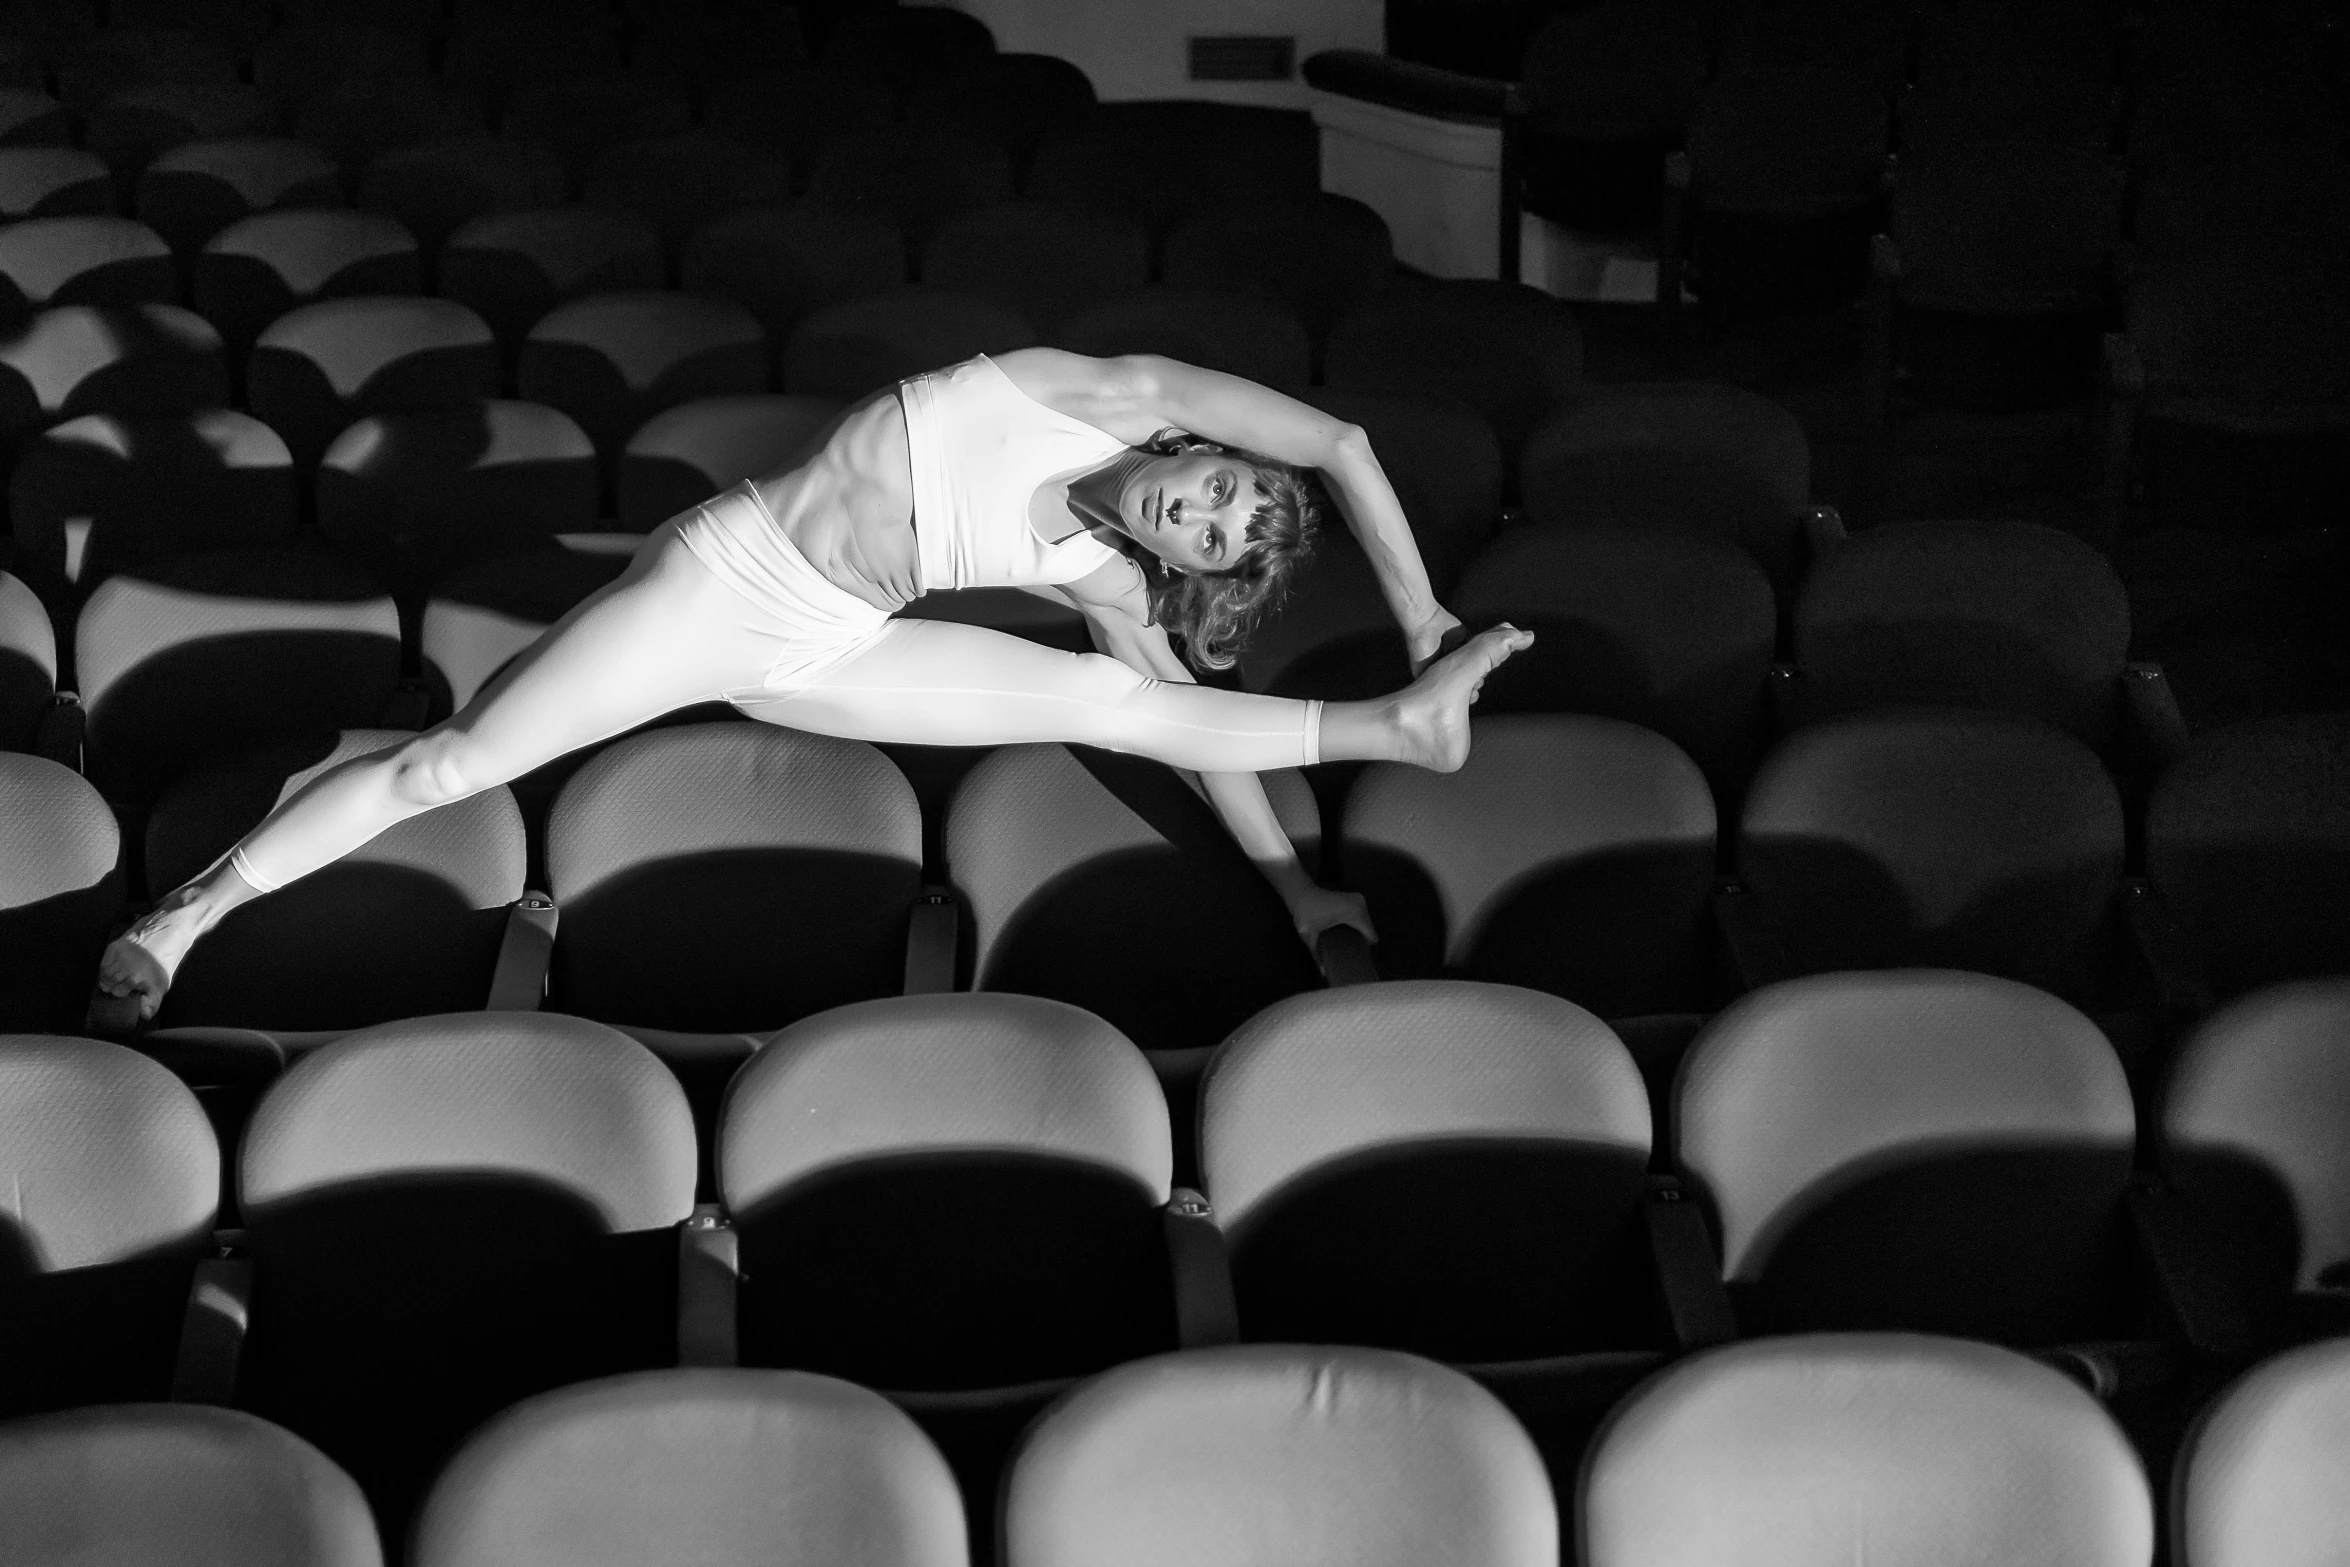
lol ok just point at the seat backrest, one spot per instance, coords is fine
(1895, 1449)
(28, 664)
(259, 267)
(1007, 1153)
(1104, 881)
(1046, 260)
(1013, 99)
(436, 187)
(193, 191)
(578, 117)
(684, 455)
(2011, 616)
(863, 344)
(113, 492)
(61, 885)
(1277, 1452)
(1445, 465)
(653, 1465)
(114, 1175)
(408, 923)
(85, 260)
(679, 182)
(319, 366)
(1693, 455)
(1663, 628)
(1435, 1165)
(41, 182)
(1916, 1149)
(450, 1213)
(414, 492)
(183, 1483)
(784, 263)
(613, 360)
(2008, 222)
(2259, 319)
(203, 654)
(1571, 854)
(2256, 1131)
(1251, 335)
(731, 876)
(77, 359)
(2248, 841)
(919, 175)
(2257, 1479)
(1319, 255)
(1931, 836)
(1506, 349)
(486, 611)
(513, 267)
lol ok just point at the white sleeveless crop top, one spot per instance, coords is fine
(979, 448)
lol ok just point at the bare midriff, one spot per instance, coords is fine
(846, 501)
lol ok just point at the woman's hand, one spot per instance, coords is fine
(1317, 909)
(1426, 639)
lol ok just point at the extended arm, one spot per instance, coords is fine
(1136, 396)
(1120, 630)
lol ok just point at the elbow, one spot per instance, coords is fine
(1349, 443)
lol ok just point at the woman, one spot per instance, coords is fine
(1044, 470)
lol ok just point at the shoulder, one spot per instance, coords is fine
(1116, 584)
(1119, 396)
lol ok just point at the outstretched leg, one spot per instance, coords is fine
(666, 634)
(929, 682)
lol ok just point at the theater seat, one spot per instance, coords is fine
(640, 1468)
(200, 655)
(2248, 846)
(2256, 1477)
(451, 1213)
(720, 880)
(1922, 1149)
(112, 492)
(415, 493)
(84, 260)
(1046, 260)
(131, 128)
(1506, 349)
(1572, 855)
(319, 367)
(1665, 628)
(61, 886)
(577, 119)
(410, 922)
(180, 1483)
(612, 361)
(679, 182)
(78, 359)
(258, 268)
(191, 192)
(684, 455)
(488, 610)
(436, 187)
(1455, 1169)
(364, 116)
(1933, 836)
(1277, 1452)
(864, 344)
(511, 268)
(1015, 1152)
(1880, 1447)
(28, 666)
(788, 111)
(2255, 1118)
(1319, 255)
(114, 1175)
(47, 182)
(297, 61)
(1444, 463)
(785, 263)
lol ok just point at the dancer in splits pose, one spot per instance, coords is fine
(1153, 496)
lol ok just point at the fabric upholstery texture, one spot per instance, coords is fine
(2259, 1477)
(1224, 1457)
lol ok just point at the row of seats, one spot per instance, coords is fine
(1901, 1447)
(970, 1200)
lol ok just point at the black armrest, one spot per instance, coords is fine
(1688, 1273)
(2167, 951)
(62, 726)
(1345, 957)
(2158, 731)
(1748, 933)
(930, 943)
(2190, 1272)
(708, 1268)
(519, 983)
(1205, 1311)
(1410, 86)
(1823, 530)
(212, 1334)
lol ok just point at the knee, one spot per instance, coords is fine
(430, 771)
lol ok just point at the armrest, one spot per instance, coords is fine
(1688, 1273)
(1746, 932)
(930, 943)
(409, 706)
(1205, 1311)
(62, 727)
(1786, 688)
(2158, 732)
(1345, 957)
(2164, 947)
(519, 983)
(212, 1334)
(708, 1268)
(2190, 1273)
(1823, 530)
(1407, 85)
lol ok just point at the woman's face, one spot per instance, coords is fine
(1190, 511)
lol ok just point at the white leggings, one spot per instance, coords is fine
(670, 633)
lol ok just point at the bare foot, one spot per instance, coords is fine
(1432, 713)
(139, 963)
